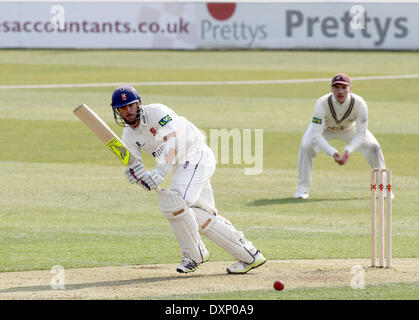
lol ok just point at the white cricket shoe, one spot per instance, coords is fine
(242, 267)
(301, 195)
(188, 265)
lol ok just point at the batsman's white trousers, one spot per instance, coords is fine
(191, 181)
(370, 149)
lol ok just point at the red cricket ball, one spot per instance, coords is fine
(278, 285)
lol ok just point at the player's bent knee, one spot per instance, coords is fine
(222, 232)
(374, 149)
(204, 219)
(308, 146)
(183, 224)
(171, 204)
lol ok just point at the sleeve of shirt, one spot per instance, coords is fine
(164, 120)
(361, 124)
(317, 129)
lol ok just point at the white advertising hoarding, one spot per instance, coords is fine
(200, 25)
(97, 25)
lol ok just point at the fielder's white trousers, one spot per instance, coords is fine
(370, 149)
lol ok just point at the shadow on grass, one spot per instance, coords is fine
(81, 286)
(114, 283)
(269, 202)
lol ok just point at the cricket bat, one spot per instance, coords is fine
(104, 133)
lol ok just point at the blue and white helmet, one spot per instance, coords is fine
(122, 97)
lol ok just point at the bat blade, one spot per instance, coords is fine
(104, 133)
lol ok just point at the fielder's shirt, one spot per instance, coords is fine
(339, 119)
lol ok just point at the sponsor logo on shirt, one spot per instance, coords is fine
(163, 121)
(317, 120)
(159, 150)
(139, 144)
(336, 129)
(153, 131)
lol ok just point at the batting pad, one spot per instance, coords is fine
(183, 224)
(223, 233)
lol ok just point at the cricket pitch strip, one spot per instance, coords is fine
(161, 280)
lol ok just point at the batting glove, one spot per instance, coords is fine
(144, 185)
(135, 172)
(153, 178)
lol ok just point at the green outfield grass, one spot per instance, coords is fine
(64, 198)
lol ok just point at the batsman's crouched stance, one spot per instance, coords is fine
(188, 205)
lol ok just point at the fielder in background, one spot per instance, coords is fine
(341, 115)
(188, 204)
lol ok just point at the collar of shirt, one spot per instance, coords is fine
(339, 105)
(143, 120)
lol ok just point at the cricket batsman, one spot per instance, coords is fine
(341, 115)
(188, 205)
